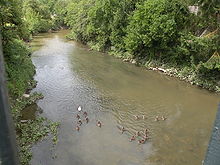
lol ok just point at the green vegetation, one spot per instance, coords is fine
(30, 131)
(43, 15)
(155, 28)
(19, 68)
(19, 19)
(155, 33)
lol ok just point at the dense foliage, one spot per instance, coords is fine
(100, 23)
(18, 65)
(42, 15)
(164, 31)
(155, 27)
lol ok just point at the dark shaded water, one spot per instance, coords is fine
(29, 112)
(109, 90)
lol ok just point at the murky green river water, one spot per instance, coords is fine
(112, 91)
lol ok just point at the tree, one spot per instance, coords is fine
(155, 27)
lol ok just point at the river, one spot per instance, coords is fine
(109, 90)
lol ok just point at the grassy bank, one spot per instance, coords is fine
(190, 74)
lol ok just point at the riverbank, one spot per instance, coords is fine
(157, 34)
(20, 20)
(30, 128)
(20, 73)
(187, 74)
(184, 73)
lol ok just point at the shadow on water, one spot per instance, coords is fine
(30, 112)
(113, 92)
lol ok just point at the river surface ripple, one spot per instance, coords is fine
(111, 91)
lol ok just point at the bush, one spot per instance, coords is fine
(101, 23)
(19, 67)
(77, 19)
(192, 50)
(155, 27)
(211, 68)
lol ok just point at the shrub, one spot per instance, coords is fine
(155, 27)
(210, 68)
(19, 67)
(192, 50)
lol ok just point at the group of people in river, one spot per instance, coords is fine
(142, 136)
